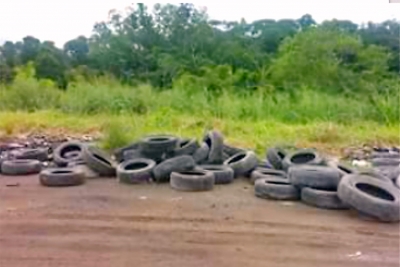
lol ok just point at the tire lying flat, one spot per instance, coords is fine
(276, 188)
(322, 199)
(135, 171)
(223, 174)
(57, 177)
(194, 180)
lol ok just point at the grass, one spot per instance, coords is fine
(121, 114)
(118, 130)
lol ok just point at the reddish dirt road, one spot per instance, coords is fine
(104, 223)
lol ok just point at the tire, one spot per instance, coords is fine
(372, 173)
(135, 171)
(222, 174)
(242, 163)
(185, 147)
(275, 156)
(87, 172)
(40, 154)
(263, 173)
(392, 155)
(119, 152)
(61, 177)
(318, 177)
(385, 162)
(302, 157)
(72, 154)
(276, 188)
(21, 167)
(194, 180)
(158, 143)
(215, 142)
(59, 153)
(98, 161)
(371, 196)
(322, 199)
(231, 150)
(162, 171)
(201, 154)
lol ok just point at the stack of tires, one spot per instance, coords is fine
(304, 175)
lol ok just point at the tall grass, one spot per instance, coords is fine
(110, 97)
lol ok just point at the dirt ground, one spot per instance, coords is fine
(103, 223)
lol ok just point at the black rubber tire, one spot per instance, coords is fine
(302, 157)
(158, 143)
(242, 163)
(185, 147)
(98, 161)
(393, 155)
(372, 173)
(318, 177)
(40, 154)
(132, 154)
(385, 162)
(21, 167)
(276, 188)
(194, 180)
(135, 171)
(275, 156)
(322, 199)
(59, 153)
(223, 174)
(61, 177)
(201, 154)
(119, 152)
(215, 142)
(263, 173)
(231, 150)
(162, 171)
(371, 196)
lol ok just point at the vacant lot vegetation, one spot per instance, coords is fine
(174, 70)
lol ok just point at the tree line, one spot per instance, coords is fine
(167, 43)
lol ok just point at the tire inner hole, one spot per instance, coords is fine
(302, 158)
(276, 182)
(375, 191)
(237, 158)
(192, 173)
(61, 172)
(136, 166)
(101, 159)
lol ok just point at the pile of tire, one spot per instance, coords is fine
(305, 175)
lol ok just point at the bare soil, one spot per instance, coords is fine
(103, 223)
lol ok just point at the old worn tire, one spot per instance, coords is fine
(194, 180)
(135, 171)
(215, 142)
(59, 153)
(371, 196)
(378, 162)
(201, 154)
(231, 150)
(318, 177)
(163, 170)
(242, 163)
(185, 147)
(158, 143)
(223, 174)
(119, 152)
(61, 177)
(373, 173)
(262, 173)
(323, 199)
(98, 161)
(276, 188)
(21, 167)
(40, 154)
(275, 156)
(302, 157)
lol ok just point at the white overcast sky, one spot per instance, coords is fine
(62, 20)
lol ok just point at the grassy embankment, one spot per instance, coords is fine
(255, 121)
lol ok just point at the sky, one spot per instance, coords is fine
(63, 20)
